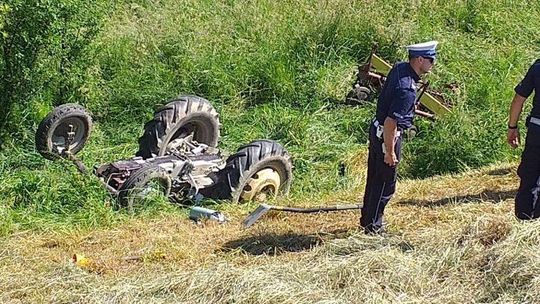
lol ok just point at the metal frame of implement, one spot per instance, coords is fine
(375, 70)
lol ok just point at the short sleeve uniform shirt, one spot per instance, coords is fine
(531, 82)
(398, 96)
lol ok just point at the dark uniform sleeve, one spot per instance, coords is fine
(402, 106)
(526, 86)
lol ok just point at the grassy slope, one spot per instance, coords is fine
(275, 71)
(453, 239)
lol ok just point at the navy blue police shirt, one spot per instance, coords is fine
(398, 96)
(531, 82)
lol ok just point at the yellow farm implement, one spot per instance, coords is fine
(371, 77)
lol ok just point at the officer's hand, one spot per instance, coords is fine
(513, 138)
(390, 159)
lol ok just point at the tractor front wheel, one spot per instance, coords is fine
(66, 128)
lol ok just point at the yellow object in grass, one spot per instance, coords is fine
(81, 261)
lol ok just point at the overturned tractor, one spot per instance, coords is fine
(177, 157)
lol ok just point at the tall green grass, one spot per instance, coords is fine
(273, 69)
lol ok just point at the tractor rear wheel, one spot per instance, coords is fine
(187, 115)
(257, 171)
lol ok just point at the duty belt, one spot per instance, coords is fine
(380, 128)
(534, 120)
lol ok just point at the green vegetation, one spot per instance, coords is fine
(273, 69)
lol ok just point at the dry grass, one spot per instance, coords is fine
(452, 239)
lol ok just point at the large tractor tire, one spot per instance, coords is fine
(143, 186)
(52, 133)
(257, 171)
(178, 119)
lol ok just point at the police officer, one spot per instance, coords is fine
(526, 202)
(395, 112)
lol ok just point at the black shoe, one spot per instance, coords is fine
(373, 230)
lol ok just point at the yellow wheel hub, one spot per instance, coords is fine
(261, 186)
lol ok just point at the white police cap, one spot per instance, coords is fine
(424, 49)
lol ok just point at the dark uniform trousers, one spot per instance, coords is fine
(527, 205)
(380, 184)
